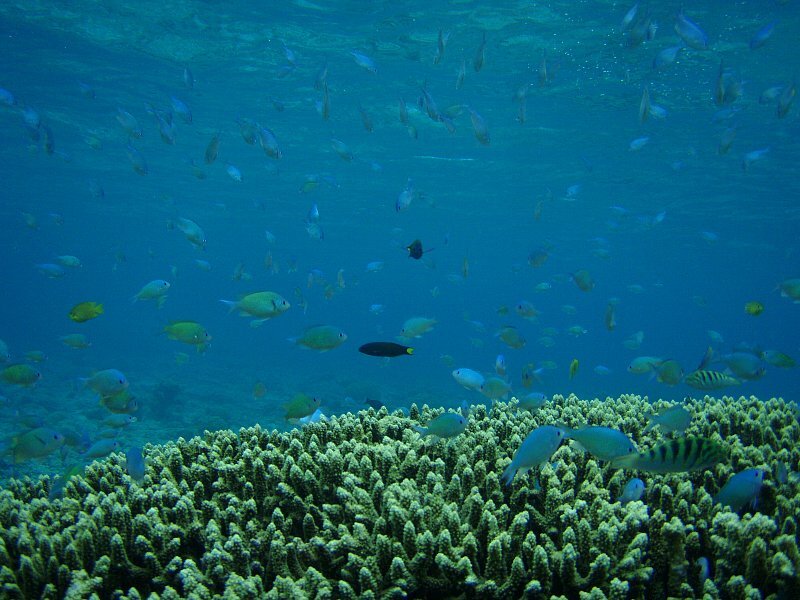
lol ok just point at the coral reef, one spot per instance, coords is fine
(362, 506)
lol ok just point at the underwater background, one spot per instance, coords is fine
(545, 143)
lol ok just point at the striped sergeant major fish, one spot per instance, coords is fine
(680, 455)
(709, 380)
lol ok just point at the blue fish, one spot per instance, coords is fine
(134, 463)
(632, 491)
(690, 32)
(741, 490)
(762, 35)
(536, 449)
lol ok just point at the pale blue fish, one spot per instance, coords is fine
(107, 382)
(102, 448)
(536, 449)
(633, 490)
(666, 57)
(690, 32)
(672, 419)
(472, 380)
(744, 365)
(135, 463)
(762, 35)
(741, 490)
(51, 270)
(602, 442)
(532, 401)
(446, 425)
(364, 61)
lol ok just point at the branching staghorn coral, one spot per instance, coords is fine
(362, 506)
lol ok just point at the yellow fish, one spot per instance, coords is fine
(188, 332)
(21, 374)
(573, 368)
(753, 308)
(85, 311)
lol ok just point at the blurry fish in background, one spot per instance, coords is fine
(753, 308)
(67, 260)
(785, 100)
(36, 443)
(137, 160)
(154, 290)
(583, 280)
(500, 365)
(212, 149)
(85, 311)
(531, 374)
(666, 57)
(187, 78)
(790, 288)
(189, 332)
(416, 327)
(75, 340)
(494, 387)
(480, 55)
(725, 142)
(511, 337)
(690, 32)
(526, 310)
(573, 368)
(129, 123)
(778, 359)
(405, 197)
(669, 372)
(233, 172)
(762, 35)
(753, 156)
(365, 62)
(644, 105)
(673, 419)
(51, 270)
(321, 338)
(20, 374)
(644, 364)
(192, 231)
(633, 341)
(479, 127)
(441, 44)
(609, 318)
(259, 390)
(120, 403)
(268, 142)
(35, 356)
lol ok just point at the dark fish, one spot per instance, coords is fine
(385, 349)
(675, 456)
(376, 404)
(415, 250)
(690, 32)
(212, 149)
(762, 35)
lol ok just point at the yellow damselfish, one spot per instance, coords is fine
(85, 311)
(753, 308)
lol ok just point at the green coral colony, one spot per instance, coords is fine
(363, 506)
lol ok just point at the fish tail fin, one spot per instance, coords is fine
(231, 304)
(257, 323)
(409, 351)
(626, 461)
(508, 474)
(160, 301)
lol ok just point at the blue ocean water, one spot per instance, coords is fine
(675, 235)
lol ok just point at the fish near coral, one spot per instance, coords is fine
(536, 449)
(301, 405)
(446, 425)
(604, 443)
(672, 419)
(107, 382)
(632, 491)
(675, 456)
(709, 380)
(135, 463)
(36, 443)
(741, 489)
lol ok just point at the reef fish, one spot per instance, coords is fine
(189, 332)
(741, 489)
(536, 449)
(261, 305)
(153, 290)
(35, 443)
(107, 382)
(85, 311)
(472, 380)
(75, 340)
(675, 456)
(321, 337)
(387, 349)
(604, 443)
(633, 490)
(20, 374)
(672, 419)
(135, 463)
(446, 425)
(709, 380)
(301, 405)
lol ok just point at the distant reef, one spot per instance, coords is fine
(361, 506)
